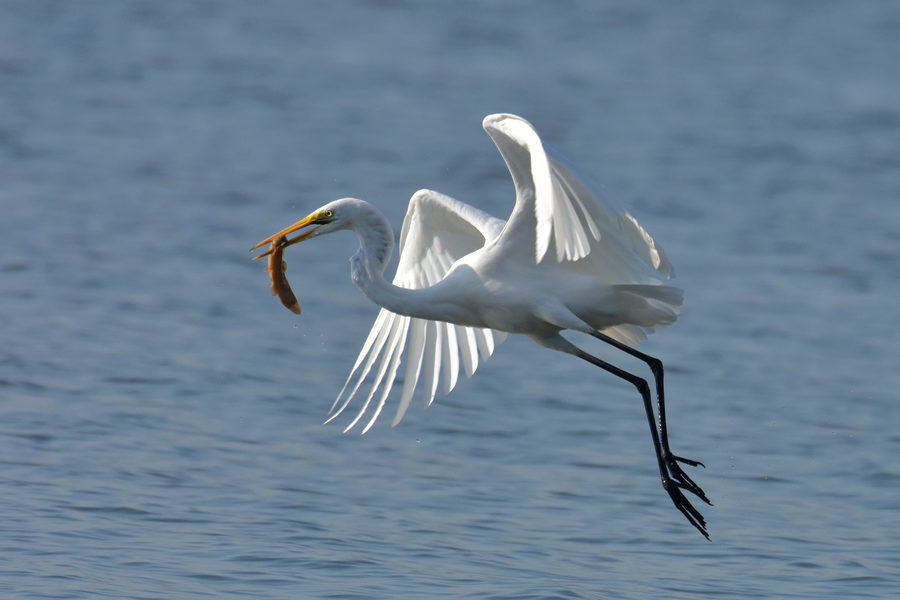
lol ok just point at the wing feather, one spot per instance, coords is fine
(451, 357)
(467, 348)
(436, 232)
(417, 339)
(370, 352)
(557, 208)
(432, 360)
(392, 370)
(393, 339)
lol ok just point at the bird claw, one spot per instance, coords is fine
(688, 461)
(684, 505)
(677, 480)
(682, 479)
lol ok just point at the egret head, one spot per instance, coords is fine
(327, 219)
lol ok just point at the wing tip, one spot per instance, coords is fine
(495, 121)
(492, 119)
(423, 193)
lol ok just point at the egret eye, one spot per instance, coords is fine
(324, 217)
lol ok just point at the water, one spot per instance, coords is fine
(160, 413)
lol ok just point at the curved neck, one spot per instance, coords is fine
(376, 241)
(367, 265)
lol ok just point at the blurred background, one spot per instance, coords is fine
(161, 414)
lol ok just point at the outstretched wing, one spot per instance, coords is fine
(437, 231)
(555, 208)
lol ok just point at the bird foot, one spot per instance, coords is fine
(682, 479)
(676, 481)
(684, 505)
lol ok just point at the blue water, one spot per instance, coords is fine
(161, 414)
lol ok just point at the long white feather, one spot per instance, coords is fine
(451, 357)
(432, 360)
(392, 372)
(393, 339)
(414, 359)
(467, 348)
(372, 353)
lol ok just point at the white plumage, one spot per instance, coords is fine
(567, 258)
(437, 232)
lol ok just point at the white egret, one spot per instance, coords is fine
(566, 259)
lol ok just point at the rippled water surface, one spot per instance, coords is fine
(161, 415)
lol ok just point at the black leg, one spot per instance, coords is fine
(671, 483)
(671, 460)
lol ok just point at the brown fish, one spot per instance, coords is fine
(276, 269)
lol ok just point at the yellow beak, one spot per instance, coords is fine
(305, 222)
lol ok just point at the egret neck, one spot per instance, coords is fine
(367, 265)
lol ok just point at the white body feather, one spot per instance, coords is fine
(565, 259)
